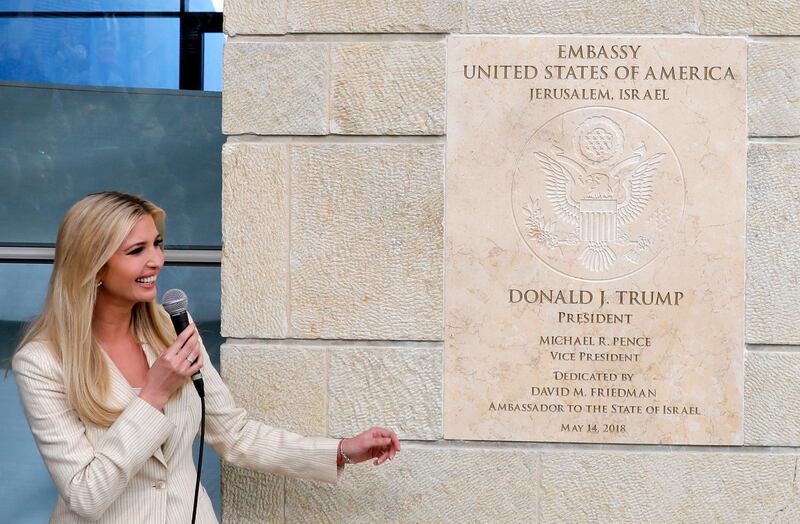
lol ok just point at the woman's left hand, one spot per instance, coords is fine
(378, 444)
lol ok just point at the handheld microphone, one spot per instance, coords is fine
(175, 303)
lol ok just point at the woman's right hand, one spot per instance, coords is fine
(177, 363)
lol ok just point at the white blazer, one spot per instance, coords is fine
(141, 468)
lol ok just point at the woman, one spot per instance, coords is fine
(105, 383)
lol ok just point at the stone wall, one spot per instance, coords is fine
(332, 268)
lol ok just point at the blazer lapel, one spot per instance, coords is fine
(123, 394)
(184, 412)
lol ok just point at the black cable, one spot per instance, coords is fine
(200, 454)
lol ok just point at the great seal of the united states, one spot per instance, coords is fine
(598, 193)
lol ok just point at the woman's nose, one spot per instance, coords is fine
(156, 259)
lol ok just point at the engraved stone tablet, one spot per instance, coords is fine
(595, 203)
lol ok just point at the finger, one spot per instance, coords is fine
(180, 343)
(192, 359)
(392, 445)
(380, 432)
(386, 433)
(379, 442)
(184, 335)
(196, 356)
(189, 346)
(382, 458)
(198, 364)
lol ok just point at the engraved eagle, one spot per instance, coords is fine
(597, 202)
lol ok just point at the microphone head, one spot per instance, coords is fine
(175, 301)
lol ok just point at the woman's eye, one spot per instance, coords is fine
(157, 243)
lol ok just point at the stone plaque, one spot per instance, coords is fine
(594, 239)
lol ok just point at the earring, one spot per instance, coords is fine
(99, 283)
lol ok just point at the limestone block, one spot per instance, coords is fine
(368, 16)
(425, 484)
(773, 244)
(255, 252)
(255, 17)
(771, 399)
(366, 257)
(275, 88)
(576, 16)
(394, 387)
(773, 88)
(250, 497)
(750, 17)
(388, 89)
(689, 487)
(279, 385)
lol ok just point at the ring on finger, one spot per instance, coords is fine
(191, 360)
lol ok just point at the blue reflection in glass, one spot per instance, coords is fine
(59, 144)
(213, 43)
(23, 476)
(204, 6)
(23, 288)
(84, 6)
(109, 51)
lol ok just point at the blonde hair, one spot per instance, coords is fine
(91, 232)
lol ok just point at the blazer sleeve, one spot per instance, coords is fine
(253, 445)
(89, 479)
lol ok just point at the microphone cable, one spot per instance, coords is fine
(200, 454)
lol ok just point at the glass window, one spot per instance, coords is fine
(205, 6)
(31, 496)
(130, 52)
(23, 287)
(59, 144)
(86, 6)
(213, 43)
